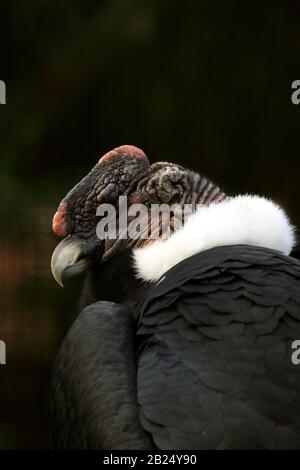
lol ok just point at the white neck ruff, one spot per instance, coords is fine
(247, 220)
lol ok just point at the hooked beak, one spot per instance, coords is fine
(70, 257)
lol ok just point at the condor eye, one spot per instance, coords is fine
(148, 205)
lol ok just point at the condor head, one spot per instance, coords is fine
(124, 171)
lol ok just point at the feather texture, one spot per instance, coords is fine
(216, 370)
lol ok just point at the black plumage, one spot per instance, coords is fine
(200, 360)
(94, 383)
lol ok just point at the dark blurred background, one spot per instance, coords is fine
(203, 83)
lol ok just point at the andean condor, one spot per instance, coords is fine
(183, 343)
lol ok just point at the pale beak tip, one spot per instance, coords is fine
(57, 276)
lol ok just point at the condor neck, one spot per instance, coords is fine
(203, 191)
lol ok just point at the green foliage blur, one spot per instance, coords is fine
(203, 83)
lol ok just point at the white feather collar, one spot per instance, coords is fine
(249, 220)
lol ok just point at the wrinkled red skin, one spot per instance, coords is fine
(59, 224)
(123, 150)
